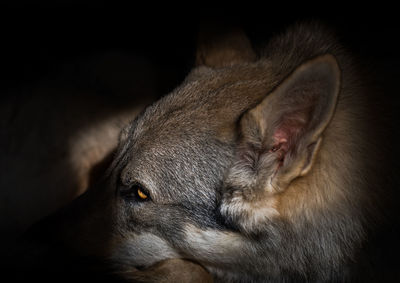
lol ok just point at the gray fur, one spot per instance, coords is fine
(184, 149)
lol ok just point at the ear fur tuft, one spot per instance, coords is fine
(280, 138)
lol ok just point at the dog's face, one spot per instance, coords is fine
(206, 164)
(257, 169)
(169, 173)
(220, 172)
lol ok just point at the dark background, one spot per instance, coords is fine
(37, 39)
(112, 49)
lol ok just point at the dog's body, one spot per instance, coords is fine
(260, 168)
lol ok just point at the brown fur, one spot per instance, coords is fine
(174, 270)
(260, 169)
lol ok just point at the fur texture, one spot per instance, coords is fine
(199, 154)
(264, 168)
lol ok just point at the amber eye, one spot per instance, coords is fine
(141, 193)
(135, 192)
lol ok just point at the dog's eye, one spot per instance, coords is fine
(135, 192)
(141, 193)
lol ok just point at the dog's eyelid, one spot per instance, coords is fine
(146, 188)
(141, 192)
(133, 189)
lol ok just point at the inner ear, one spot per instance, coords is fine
(287, 126)
(290, 127)
(297, 118)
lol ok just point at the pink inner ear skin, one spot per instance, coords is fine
(280, 141)
(281, 147)
(290, 129)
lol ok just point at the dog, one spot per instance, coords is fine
(268, 166)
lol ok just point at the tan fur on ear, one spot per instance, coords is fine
(218, 48)
(292, 118)
(171, 270)
(280, 139)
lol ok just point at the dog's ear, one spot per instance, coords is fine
(279, 140)
(221, 47)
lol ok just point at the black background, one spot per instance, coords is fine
(37, 39)
(60, 43)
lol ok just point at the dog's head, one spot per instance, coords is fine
(252, 167)
(200, 174)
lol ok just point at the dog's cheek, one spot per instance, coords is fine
(208, 245)
(140, 250)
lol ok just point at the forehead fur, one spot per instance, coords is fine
(207, 101)
(210, 100)
(189, 129)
